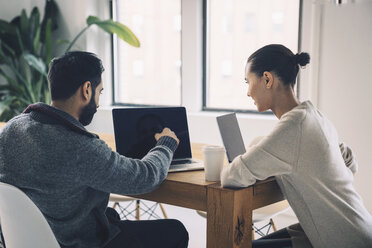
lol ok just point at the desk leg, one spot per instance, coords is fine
(229, 217)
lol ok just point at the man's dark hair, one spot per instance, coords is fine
(280, 60)
(68, 72)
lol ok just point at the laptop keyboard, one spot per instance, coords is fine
(183, 161)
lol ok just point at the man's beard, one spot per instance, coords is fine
(88, 112)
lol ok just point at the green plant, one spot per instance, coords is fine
(27, 46)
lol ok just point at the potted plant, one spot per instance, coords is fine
(27, 45)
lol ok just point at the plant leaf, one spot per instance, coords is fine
(24, 22)
(36, 63)
(37, 40)
(25, 32)
(39, 89)
(47, 97)
(10, 37)
(6, 27)
(5, 104)
(48, 42)
(62, 41)
(9, 50)
(7, 34)
(92, 20)
(34, 20)
(19, 39)
(111, 27)
(12, 90)
(18, 93)
(10, 80)
(21, 75)
(10, 106)
(34, 25)
(127, 35)
(50, 12)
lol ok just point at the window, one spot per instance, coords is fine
(150, 75)
(234, 30)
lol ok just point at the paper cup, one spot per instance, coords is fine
(213, 157)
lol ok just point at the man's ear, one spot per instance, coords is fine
(86, 90)
(269, 79)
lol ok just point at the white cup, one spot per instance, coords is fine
(213, 157)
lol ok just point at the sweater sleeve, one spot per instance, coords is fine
(349, 158)
(272, 155)
(108, 171)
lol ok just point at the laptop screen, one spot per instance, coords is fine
(231, 135)
(135, 129)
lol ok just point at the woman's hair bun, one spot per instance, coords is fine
(302, 59)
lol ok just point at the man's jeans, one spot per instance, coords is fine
(165, 233)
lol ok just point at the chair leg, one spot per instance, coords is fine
(253, 233)
(273, 225)
(163, 211)
(148, 210)
(137, 209)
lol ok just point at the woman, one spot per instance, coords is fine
(314, 172)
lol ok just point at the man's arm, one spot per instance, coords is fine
(108, 171)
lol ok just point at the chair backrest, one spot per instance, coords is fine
(22, 223)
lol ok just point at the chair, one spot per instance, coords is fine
(126, 211)
(22, 223)
(263, 214)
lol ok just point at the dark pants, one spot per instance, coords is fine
(278, 239)
(166, 233)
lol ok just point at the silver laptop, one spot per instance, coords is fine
(135, 129)
(231, 136)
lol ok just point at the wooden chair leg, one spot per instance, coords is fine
(115, 205)
(163, 211)
(273, 224)
(253, 232)
(137, 209)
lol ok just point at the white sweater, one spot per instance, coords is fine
(304, 155)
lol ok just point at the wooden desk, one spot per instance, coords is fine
(229, 211)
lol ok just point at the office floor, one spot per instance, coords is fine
(196, 225)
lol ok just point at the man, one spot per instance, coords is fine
(69, 172)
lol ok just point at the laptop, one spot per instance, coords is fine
(135, 128)
(231, 136)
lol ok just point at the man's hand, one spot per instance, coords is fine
(166, 132)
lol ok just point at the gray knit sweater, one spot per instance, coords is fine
(69, 172)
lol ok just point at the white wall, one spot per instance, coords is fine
(345, 85)
(9, 9)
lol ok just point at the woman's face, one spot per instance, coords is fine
(257, 89)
